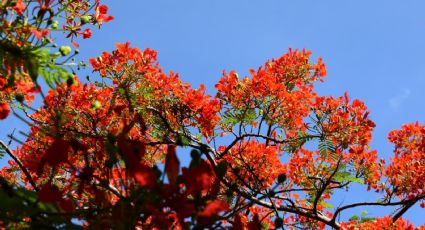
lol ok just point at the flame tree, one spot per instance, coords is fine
(266, 151)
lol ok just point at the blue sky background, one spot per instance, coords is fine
(372, 49)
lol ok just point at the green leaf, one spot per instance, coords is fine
(356, 180)
(230, 120)
(47, 207)
(326, 205)
(48, 69)
(327, 149)
(182, 140)
(250, 116)
(366, 219)
(354, 218)
(347, 177)
(246, 116)
(2, 152)
(32, 65)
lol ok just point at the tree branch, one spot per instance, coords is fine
(403, 210)
(21, 166)
(236, 140)
(403, 202)
(324, 186)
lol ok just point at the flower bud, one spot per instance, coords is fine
(65, 50)
(85, 19)
(96, 105)
(55, 25)
(19, 97)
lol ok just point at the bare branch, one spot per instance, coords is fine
(403, 202)
(403, 210)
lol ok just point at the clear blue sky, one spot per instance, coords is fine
(374, 50)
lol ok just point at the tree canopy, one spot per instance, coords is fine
(266, 152)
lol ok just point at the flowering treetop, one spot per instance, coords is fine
(27, 47)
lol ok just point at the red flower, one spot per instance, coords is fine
(86, 33)
(213, 208)
(4, 110)
(19, 7)
(172, 164)
(56, 154)
(66, 205)
(40, 34)
(101, 16)
(144, 176)
(49, 193)
(103, 9)
(199, 178)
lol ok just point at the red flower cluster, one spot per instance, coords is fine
(255, 163)
(106, 153)
(138, 72)
(23, 57)
(385, 222)
(283, 88)
(406, 171)
(85, 137)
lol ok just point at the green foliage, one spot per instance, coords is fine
(48, 68)
(354, 218)
(347, 177)
(326, 204)
(19, 203)
(243, 116)
(2, 152)
(298, 142)
(182, 140)
(11, 54)
(36, 61)
(327, 149)
(362, 218)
